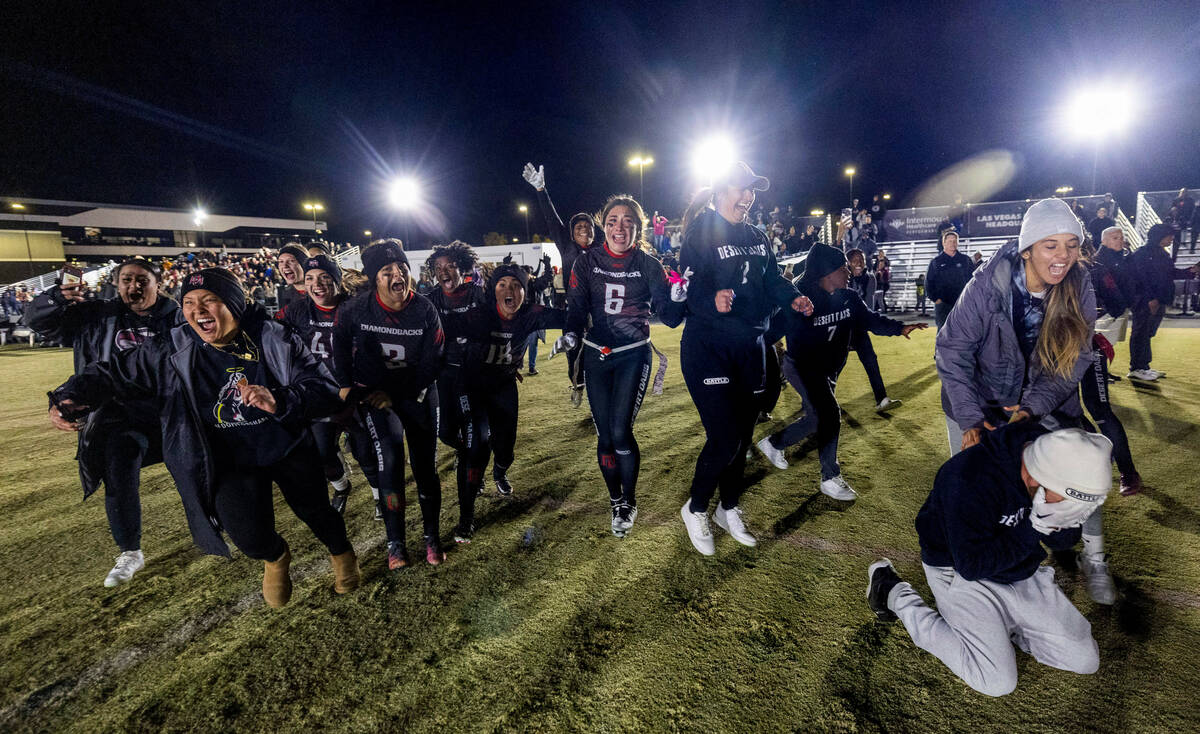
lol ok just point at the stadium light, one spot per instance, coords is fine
(17, 206)
(713, 157)
(366, 232)
(887, 197)
(1099, 111)
(525, 211)
(404, 193)
(641, 161)
(850, 171)
(515, 239)
(817, 213)
(199, 215)
(1064, 189)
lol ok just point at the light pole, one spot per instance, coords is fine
(198, 216)
(25, 228)
(641, 162)
(525, 210)
(850, 172)
(313, 208)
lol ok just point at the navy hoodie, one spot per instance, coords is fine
(976, 519)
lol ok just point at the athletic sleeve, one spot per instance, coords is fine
(702, 291)
(876, 323)
(578, 298)
(312, 392)
(424, 369)
(957, 342)
(931, 284)
(563, 238)
(669, 311)
(52, 316)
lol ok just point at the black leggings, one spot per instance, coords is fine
(126, 451)
(822, 415)
(246, 510)
(860, 341)
(770, 396)
(616, 386)
(387, 430)
(726, 378)
(326, 435)
(486, 423)
(1094, 386)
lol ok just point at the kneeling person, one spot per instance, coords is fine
(981, 530)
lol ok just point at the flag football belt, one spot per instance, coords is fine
(659, 376)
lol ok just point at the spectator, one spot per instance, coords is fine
(808, 239)
(1155, 274)
(660, 232)
(1101, 222)
(976, 260)
(883, 281)
(947, 275)
(921, 293)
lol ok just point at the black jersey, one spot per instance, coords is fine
(617, 293)
(289, 297)
(456, 310)
(375, 347)
(496, 345)
(315, 325)
(732, 256)
(820, 342)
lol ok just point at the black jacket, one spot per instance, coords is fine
(947, 276)
(1155, 273)
(561, 233)
(162, 369)
(976, 519)
(96, 330)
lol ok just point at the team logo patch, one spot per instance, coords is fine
(1081, 496)
(228, 408)
(130, 338)
(196, 279)
(716, 380)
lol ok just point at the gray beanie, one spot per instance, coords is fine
(1046, 218)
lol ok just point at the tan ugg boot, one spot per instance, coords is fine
(277, 583)
(345, 572)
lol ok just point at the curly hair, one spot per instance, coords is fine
(458, 252)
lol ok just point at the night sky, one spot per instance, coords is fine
(253, 107)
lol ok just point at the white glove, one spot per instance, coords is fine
(535, 176)
(564, 343)
(679, 289)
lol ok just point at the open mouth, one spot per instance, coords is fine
(510, 302)
(397, 288)
(207, 325)
(1058, 270)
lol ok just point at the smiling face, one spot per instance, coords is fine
(950, 244)
(321, 288)
(137, 287)
(620, 228)
(1049, 260)
(392, 282)
(209, 316)
(291, 270)
(510, 295)
(446, 274)
(734, 204)
(836, 280)
(583, 233)
(1114, 240)
(857, 264)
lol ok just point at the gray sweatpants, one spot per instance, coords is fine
(977, 623)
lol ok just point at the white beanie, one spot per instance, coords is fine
(1073, 463)
(1046, 218)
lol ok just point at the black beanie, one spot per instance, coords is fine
(821, 261)
(502, 271)
(222, 282)
(375, 257)
(1157, 232)
(326, 263)
(295, 250)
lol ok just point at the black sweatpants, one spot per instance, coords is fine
(822, 415)
(1094, 387)
(770, 396)
(616, 385)
(326, 435)
(486, 422)
(860, 342)
(126, 451)
(418, 421)
(1142, 330)
(246, 510)
(726, 376)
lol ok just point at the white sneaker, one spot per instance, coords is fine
(774, 455)
(1157, 373)
(887, 404)
(1099, 582)
(731, 521)
(698, 530)
(1143, 375)
(128, 563)
(838, 489)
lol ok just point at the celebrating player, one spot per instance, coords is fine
(117, 440)
(981, 530)
(387, 350)
(291, 266)
(236, 392)
(734, 286)
(615, 287)
(1017, 343)
(817, 347)
(314, 321)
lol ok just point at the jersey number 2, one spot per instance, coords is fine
(614, 297)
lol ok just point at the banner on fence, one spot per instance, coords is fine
(914, 224)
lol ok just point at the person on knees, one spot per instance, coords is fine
(981, 533)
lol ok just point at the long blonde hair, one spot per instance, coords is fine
(1065, 331)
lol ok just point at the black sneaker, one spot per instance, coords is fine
(503, 486)
(463, 534)
(618, 524)
(379, 510)
(532, 372)
(882, 578)
(339, 500)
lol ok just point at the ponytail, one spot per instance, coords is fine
(700, 202)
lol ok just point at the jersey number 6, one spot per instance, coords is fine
(614, 297)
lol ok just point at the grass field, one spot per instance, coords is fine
(548, 623)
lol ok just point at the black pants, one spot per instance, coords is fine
(726, 376)
(1094, 386)
(616, 386)
(326, 435)
(486, 425)
(822, 415)
(770, 396)
(126, 451)
(418, 421)
(1142, 330)
(246, 509)
(941, 311)
(860, 342)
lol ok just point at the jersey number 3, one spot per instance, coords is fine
(614, 297)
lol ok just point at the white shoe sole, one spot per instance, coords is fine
(839, 494)
(700, 547)
(781, 464)
(719, 519)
